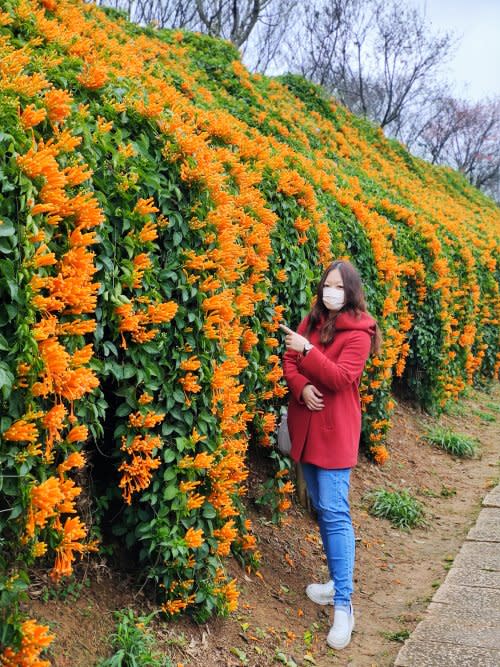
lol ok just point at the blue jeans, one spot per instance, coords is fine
(329, 493)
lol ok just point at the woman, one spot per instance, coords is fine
(323, 365)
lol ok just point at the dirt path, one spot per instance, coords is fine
(396, 572)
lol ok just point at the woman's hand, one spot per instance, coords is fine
(313, 398)
(293, 340)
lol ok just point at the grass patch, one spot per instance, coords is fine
(133, 643)
(485, 416)
(399, 636)
(399, 507)
(457, 444)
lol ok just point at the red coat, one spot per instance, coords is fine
(329, 438)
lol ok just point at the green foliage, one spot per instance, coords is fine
(134, 643)
(456, 444)
(399, 507)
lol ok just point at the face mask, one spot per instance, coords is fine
(333, 298)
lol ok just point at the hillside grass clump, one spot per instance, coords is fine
(399, 507)
(456, 444)
(134, 643)
(162, 210)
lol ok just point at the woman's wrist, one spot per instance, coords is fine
(307, 347)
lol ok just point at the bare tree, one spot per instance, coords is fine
(375, 56)
(232, 19)
(466, 136)
(161, 13)
(265, 43)
(257, 27)
(166, 13)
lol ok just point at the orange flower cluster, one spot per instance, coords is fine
(194, 538)
(51, 499)
(95, 76)
(63, 301)
(34, 639)
(138, 471)
(71, 533)
(229, 593)
(21, 431)
(225, 536)
(135, 321)
(32, 116)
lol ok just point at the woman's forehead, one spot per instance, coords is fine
(334, 276)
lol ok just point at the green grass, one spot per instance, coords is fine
(133, 643)
(400, 636)
(457, 444)
(485, 416)
(399, 507)
(492, 406)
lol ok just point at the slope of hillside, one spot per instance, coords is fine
(162, 210)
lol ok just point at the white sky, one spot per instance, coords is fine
(475, 69)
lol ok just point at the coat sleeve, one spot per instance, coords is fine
(295, 380)
(340, 374)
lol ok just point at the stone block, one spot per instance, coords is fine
(433, 654)
(479, 555)
(487, 527)
(493, 498)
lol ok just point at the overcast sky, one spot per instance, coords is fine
(475, 69)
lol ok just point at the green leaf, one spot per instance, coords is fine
(7, 228)
(170, 492)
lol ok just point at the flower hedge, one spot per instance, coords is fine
(162, 210)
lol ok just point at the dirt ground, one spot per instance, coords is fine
(396, 574)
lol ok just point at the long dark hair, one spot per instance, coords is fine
(354, 303)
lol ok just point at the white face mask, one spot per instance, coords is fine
(333, 298)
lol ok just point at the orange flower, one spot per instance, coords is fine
(94, 76)
(21, 430)
(45, 498)
(195, 501)
(146, 206)
(74, 460)
(141, 263)
(137, 473)
(380, 454)
(189, 383)
(32, 116)
(194, 538)
(53, 422)
(79, 433)
(145, 399)
(73, 531)
(161, 313)
(148, 232)
(58, 103)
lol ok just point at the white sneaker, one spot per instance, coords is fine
(340, 632)
(321, 593)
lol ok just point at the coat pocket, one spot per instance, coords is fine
(326, 418)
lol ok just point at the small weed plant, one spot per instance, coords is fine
(133, 643)
(456, 444)
(400, 636)
(400, 507)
